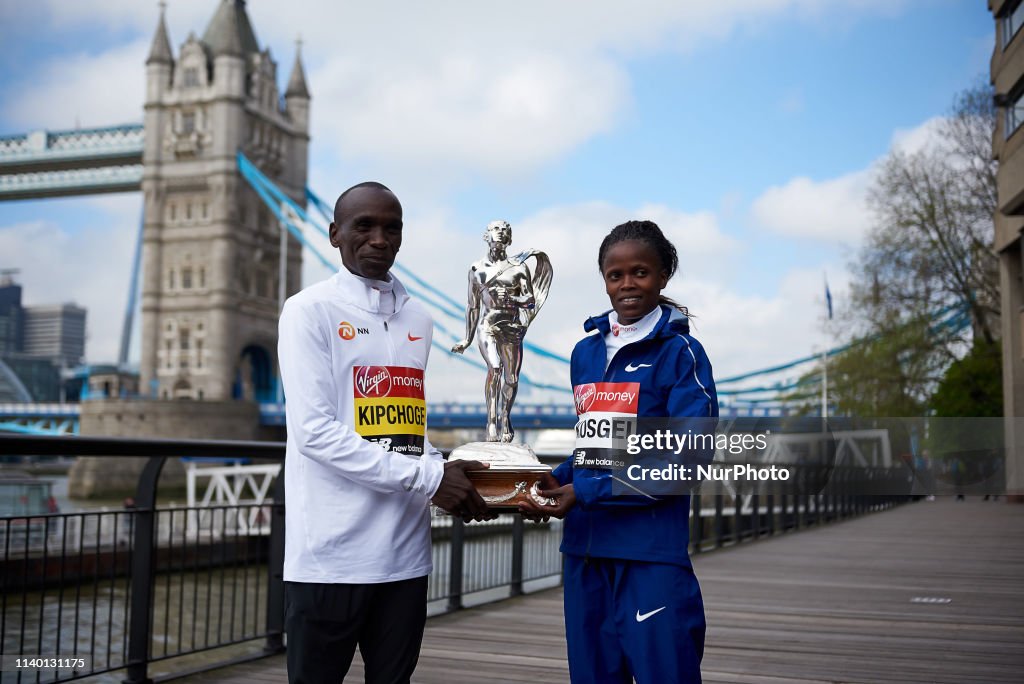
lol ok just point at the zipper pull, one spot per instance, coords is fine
(385, 326)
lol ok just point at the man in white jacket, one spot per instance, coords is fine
(359, 471)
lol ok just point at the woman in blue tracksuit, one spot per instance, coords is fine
(633, 607)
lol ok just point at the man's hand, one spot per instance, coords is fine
(457, 495)
(564, 496)
(460, 347)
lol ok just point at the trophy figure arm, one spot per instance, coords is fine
(526, 299)
(540, 281)
(472, 314)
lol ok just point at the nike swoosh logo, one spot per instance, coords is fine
(414, 339)
(641, 618)
(630, 367)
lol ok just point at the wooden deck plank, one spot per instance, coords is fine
(832, 604)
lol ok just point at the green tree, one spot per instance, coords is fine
(973, 385)
(884, 375)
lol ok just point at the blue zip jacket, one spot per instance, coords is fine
(675, 381)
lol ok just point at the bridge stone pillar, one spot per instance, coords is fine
(115, 476)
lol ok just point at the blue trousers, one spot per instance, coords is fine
(627, 620)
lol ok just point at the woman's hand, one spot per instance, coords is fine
(564, 497)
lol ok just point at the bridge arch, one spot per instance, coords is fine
(182, 389)
(255, 374)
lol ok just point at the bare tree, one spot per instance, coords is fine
(932, 245)
(929, 253)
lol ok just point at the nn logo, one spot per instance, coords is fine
(347, 331)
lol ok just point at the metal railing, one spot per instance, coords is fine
(817, 495)
(151, 586)
(128, 588)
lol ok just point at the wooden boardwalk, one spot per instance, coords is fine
(864, 600)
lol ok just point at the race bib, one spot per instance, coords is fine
(607, 417)
(390, 407)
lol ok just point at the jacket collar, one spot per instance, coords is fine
(672, 322)
(356, 292)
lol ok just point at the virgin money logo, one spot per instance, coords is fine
(584, 396)
(373, 381)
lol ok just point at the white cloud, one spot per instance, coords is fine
(832, 210)
(90, 267)
(835, 209)
(427, 93)
(641, 26)
(747, 332)
(440, 252)
(442, 90)
(926, 136)
(82, 90)
(495, 114)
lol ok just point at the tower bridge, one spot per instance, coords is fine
(45, 164)
(221, 159)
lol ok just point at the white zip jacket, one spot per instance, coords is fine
(359, 471)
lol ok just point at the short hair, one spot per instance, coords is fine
(647, 232)
(365, 184)
(650, 234)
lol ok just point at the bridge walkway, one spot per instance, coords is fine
(928, 592)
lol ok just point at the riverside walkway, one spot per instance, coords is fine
(927, 592)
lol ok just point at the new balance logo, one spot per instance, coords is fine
(631, 368)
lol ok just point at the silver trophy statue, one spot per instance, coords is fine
(505, 296)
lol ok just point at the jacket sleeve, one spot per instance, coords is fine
(429, 450)
(692, 405)
(563, 473)
(432, 452)
(312, 392)
(693, 394)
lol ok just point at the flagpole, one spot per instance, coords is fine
(824, 383)
(824, 353)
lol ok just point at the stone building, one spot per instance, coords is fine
(212, 251)
(1007, 71)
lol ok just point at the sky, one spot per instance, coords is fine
(749, 130)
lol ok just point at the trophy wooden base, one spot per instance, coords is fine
(513, 476)
(504, 488)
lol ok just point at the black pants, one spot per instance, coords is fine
(325, 623)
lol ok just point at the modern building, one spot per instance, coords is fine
(11, 325)
(36, 344)
(212, 252)
(1007, 71)
(55, 332)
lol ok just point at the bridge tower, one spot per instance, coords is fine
(211, 250)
